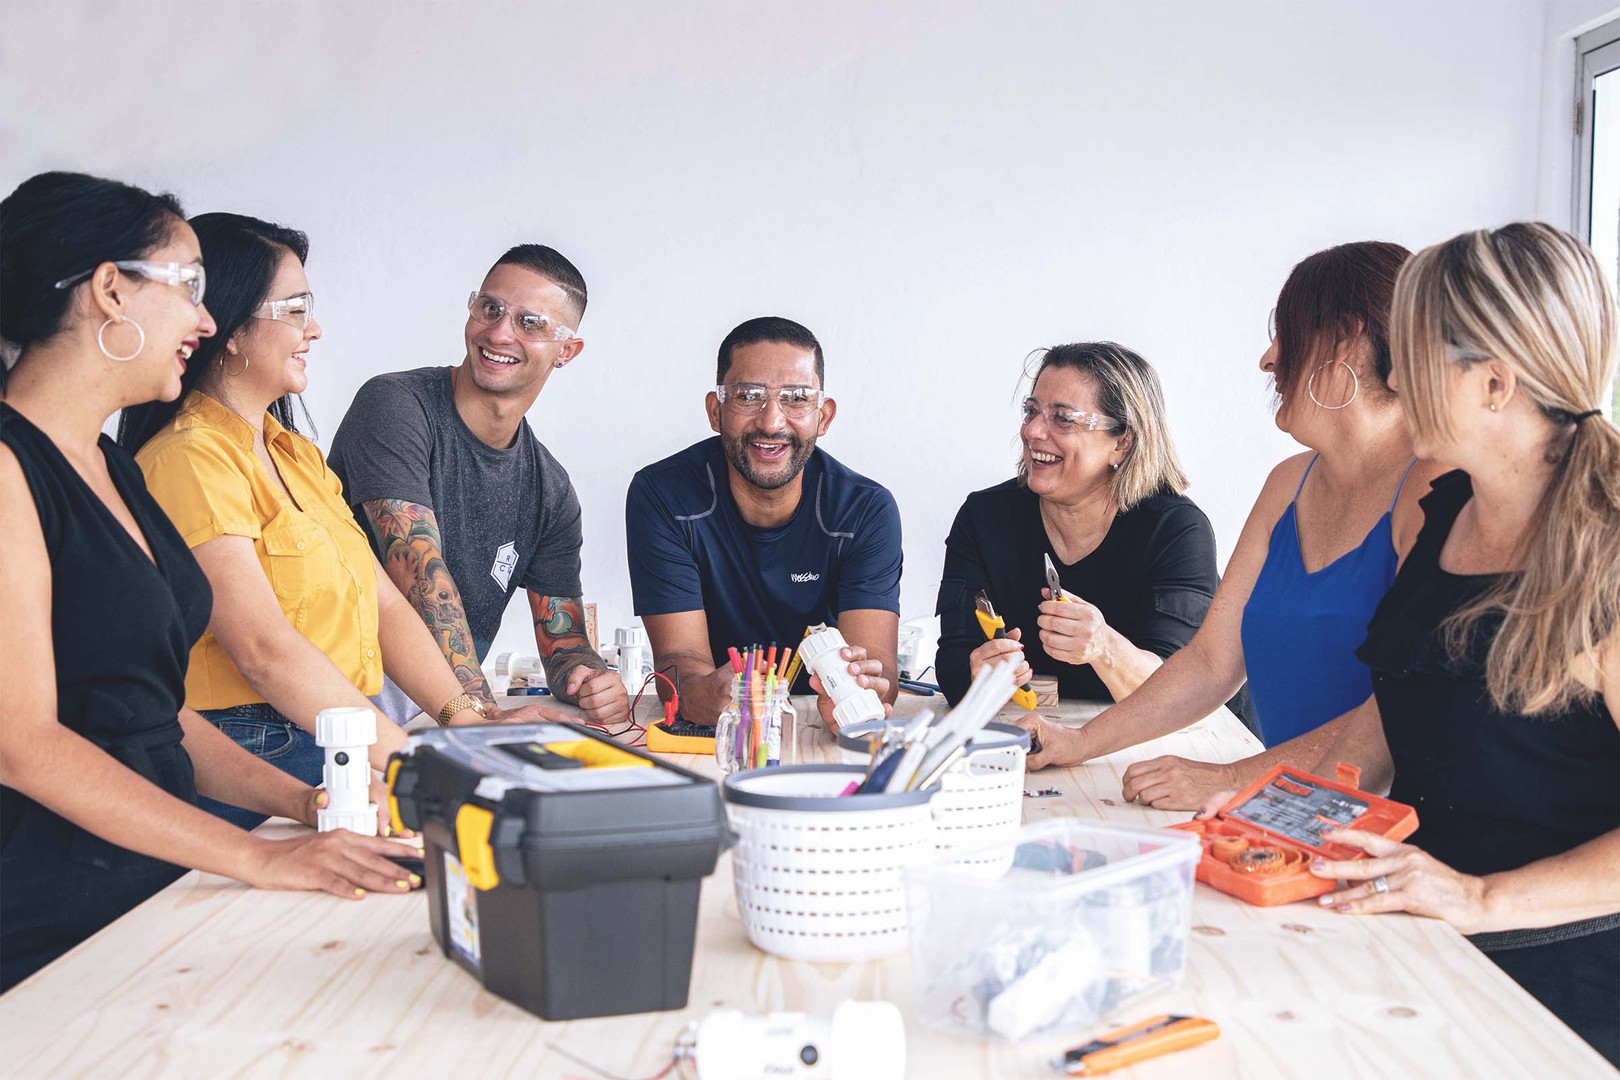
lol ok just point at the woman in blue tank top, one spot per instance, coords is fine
(1300, 626)
(1318, 552)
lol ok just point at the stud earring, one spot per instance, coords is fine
(1493, 406)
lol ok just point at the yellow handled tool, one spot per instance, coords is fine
(1053, 584)
(1160, 1035)
(994, 627)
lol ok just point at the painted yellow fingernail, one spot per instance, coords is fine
(402, 884)
(359, 892)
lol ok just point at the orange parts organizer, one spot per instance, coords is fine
(1260, 846)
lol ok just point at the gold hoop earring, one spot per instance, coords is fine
(101, 340)
(228, 371)
(1355, 388)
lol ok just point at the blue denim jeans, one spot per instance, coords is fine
(264, 733)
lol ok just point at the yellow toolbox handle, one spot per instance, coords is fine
(473, 825)
(597, 755)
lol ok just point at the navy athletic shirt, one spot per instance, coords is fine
(691, 550)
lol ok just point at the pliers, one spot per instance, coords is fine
(995, 627)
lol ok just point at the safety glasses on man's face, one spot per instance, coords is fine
(747, 399)
(488, 310)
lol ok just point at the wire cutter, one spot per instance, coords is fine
(995, 627)
(1053, 584)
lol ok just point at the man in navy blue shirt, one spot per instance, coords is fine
(750, 537)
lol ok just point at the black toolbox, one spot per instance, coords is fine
(562, 868)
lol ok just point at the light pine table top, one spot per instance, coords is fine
(210, 978)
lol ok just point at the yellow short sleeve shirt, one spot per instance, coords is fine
(202, 470)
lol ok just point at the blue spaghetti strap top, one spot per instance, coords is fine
(1301, 630)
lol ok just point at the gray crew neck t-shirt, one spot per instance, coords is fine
(507, 518)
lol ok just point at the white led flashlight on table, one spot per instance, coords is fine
(346, 735)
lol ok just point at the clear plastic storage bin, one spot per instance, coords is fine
(1089, 917)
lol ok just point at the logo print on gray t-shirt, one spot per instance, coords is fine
(505, 563)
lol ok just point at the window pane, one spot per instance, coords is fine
(1605, 223)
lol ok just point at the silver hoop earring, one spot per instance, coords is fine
(1354, 389)
(101, 340)
(228, 371)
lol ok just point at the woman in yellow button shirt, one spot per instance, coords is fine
(304, 616)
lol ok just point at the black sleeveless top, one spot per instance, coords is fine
(1493, 792)
(122, 630)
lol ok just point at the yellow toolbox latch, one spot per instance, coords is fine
(473, 825)
(393, 799)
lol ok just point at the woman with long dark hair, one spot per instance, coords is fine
(305, 618)
(101, 765)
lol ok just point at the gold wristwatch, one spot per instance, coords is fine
(460, 703)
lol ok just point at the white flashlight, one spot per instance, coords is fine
(863, 1040)
(822, 653)
(346, 734)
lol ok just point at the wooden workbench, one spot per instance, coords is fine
(210, 978)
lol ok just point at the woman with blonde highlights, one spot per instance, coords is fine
(1099, 493)
(1496, 653)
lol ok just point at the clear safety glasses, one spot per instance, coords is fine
(1061, 418)
(190, 276)
(295, 310)
(489, 310)
(746, 399)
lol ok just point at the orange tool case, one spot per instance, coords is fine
(1260, 846)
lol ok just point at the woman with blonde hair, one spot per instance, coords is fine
(1098, 492)
(1496, 653)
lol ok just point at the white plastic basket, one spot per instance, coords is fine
(981, 798)
(818, 877)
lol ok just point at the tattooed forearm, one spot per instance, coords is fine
(408, 539)
(559, 631)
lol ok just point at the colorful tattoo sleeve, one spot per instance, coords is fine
(407, 534)
(559, 631)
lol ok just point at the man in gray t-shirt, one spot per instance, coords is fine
(462, 502)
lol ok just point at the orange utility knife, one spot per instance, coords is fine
(995, 627)
(1150, 1038)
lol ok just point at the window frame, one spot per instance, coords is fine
(1597, 53)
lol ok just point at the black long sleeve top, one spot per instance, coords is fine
(1152, 576)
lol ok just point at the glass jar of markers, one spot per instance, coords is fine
(748, 734)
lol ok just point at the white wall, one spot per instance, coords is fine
(934, 188)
